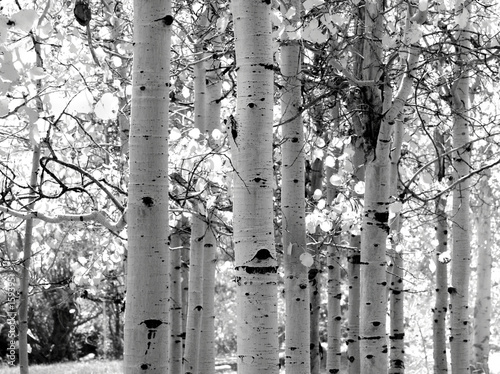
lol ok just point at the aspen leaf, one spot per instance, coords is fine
(309, 4)
(321, 204)
(289, 249)
(359, 188)
(194, 133)
(3, 29)
(4, 107)
(82, 103)
(317, 194)
(186, 92)
(37, 73)
(306, 259)
(336, 180)
(217, 134)
(24, 19)
(175, 134)
(325, 225)
(291, 12)
(395, 207)
(107, 107)
(432, 266)
(330, 161)
(426, 178)
(422, 5)
(462, 19)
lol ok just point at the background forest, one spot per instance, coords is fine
(321, 176)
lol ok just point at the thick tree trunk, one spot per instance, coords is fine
(146, 316)
(460, 265)
(255, 254)
(293, 210)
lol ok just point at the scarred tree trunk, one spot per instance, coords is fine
(255, 255)
(146, 316)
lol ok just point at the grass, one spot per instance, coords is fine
(88, 367)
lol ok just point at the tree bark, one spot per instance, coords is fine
(252, 132)
(147, 309)
(460, 263)
(482, 307)
(293, 209)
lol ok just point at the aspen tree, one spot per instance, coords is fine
(255, 255)
(482, 306)
(460, 262)
(440, 309)
(375, 227)
(175, 346)
(293, 207)
(146, 316)
(334, 292)
(198, 224)
(397, 347)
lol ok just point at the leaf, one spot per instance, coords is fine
(194, 133)
(336, 180)
(306, 259)
(359, 188)
(24, 19)
(107, 107)
(217, 134)
(395, 207)
(317, 194)
(82, 103)
(175, 134)
(4, 107)
(326, 225)
(309, 4)
(330, 161)
(289, 249)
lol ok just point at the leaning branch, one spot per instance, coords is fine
(96, 216)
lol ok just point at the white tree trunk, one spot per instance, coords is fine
(175, 346)
(146, 316)
(207, 338)
(482, 307)
(460, 265)
(293, 210)
(255, 255)
(440, 309)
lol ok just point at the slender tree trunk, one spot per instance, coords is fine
(315, 279)
(255, 254)
(353, 271)
(293, 209)
(460, 265)
(25, 273)
(207, 338)
(175, 346)
(146, 316)
(482, 307)
(198, 226)
(397, 333)
(334, 283)
(440, 309)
